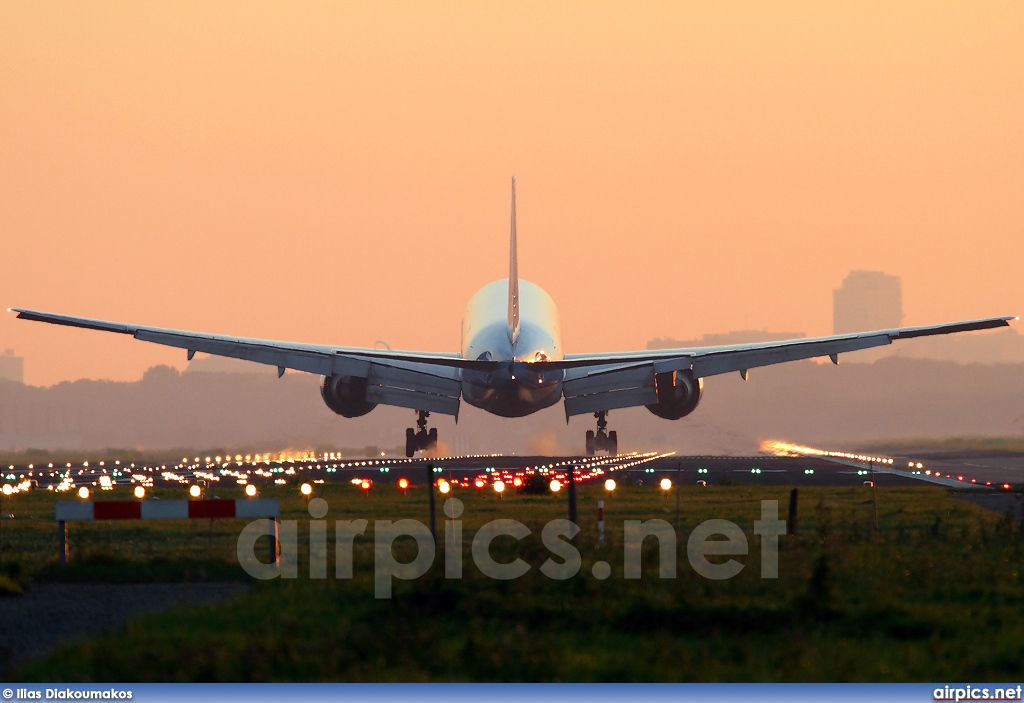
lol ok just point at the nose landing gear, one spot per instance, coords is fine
(602, 441)
(420, 438)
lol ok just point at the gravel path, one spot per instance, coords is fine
(51, 613)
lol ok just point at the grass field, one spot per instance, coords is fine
(937, 595)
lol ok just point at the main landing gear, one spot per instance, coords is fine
(420, 438)
(602, 441)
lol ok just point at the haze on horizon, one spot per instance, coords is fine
(339, 173)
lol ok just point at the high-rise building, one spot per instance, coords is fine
(867, 300)
(12, 368)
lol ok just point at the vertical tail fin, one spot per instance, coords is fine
(513, 276)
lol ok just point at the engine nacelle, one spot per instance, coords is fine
(346, 395)
(678, 394)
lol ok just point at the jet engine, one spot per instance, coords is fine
(346, 395)
(678, 394)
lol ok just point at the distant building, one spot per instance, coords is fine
(867, 300)
(12, 368)
(720, 340)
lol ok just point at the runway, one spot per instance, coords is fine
(643, 468)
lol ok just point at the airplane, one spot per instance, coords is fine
(513, 363)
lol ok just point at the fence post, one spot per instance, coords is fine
(430, 492)
(679, 474)
(572, 494)
(275, 542)
(874, 501)
(600, 524)
(62, 537)
(791, 523)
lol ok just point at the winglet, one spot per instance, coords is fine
(513, 276)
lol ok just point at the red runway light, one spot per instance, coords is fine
(1006, 486)
(403, 483)
(365, 485)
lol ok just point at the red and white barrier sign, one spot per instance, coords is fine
(68, 511)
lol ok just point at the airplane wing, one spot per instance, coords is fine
(432, 381)
(627, 379)
(417, 380)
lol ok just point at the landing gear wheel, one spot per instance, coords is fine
(420, 438)
(410, 442)
(602, 440)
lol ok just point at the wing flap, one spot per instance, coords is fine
(411, 399)
(445, 373)
(609, 390)
(619, 379)
(413, 381)
(611, 400)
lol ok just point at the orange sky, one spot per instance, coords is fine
(340, 172)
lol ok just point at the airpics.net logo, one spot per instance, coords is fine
(706, 540)
(977, 693)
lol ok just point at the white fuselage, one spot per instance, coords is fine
(513, 389)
